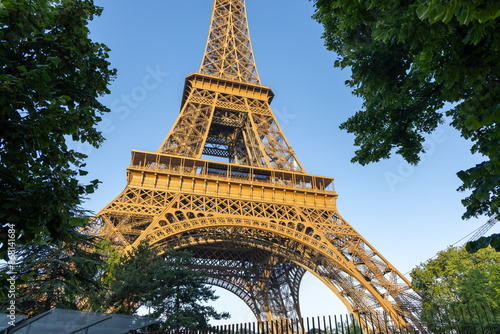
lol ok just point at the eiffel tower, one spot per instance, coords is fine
(255, 221)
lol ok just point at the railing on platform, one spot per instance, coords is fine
(460, 320)
(186, 166)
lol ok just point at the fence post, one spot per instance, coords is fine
(373, 324)
(442, 320)
(354, 323)
(347, 322)
(366, 323)
(457, 321)
(487, 320)
(379, 325)
(479, 320)
(386, 321)
(472, 320)
(449, 321)
(497, 324)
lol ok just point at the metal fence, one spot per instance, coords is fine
(456, 320)
(463, 319)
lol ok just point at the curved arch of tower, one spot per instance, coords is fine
(258, 222)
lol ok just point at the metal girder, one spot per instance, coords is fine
(268, 284)
(229, 52)
(211, 117)
(257, 222)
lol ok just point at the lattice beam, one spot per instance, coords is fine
(229, 52)
(242, 127)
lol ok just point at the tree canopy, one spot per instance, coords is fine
(457, 278)
(57, 277)
(483, 242)
(165, 286)
(51, 77)
(410, 57)
(185, 304)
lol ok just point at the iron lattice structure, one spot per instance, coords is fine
(258, 222)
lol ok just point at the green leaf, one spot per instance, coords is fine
(484, 242)
(422, 12)
(484, 16)
(472, 123)
(46, 76)
(55, 60)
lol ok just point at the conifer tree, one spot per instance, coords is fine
(164, 284)
(56, 276)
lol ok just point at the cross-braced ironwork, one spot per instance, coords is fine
(229, 52)
(257, 222)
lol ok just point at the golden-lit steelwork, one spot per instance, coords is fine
(257, 222)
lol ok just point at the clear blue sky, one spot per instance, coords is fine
(407, 213)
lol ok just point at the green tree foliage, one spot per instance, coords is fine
(183, 305)
(483, 242)
(164, 284)
(346, 325)
(104, 277)
(410, 57)
(104, 248)
(351, 327)
(458, 279)
(57, 277)
(134, 279)
(51, 76)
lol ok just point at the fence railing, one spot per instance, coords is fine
(455, 320)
